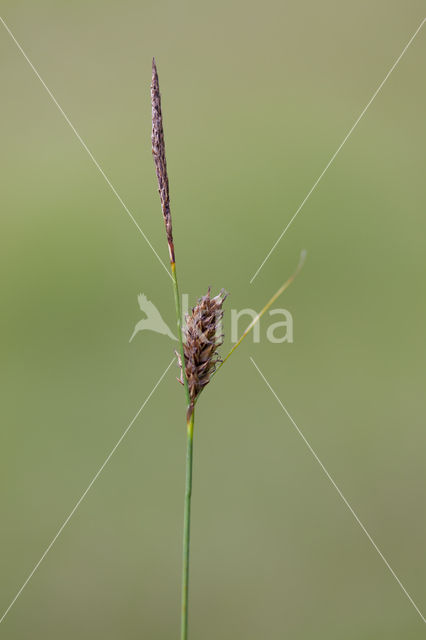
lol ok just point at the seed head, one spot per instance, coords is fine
(159, 153)
(202, 337)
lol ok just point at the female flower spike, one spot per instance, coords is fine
(202, 338)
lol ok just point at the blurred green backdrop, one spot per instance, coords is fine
(256, 99)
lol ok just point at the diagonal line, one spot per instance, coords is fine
(84, 145)
(329, 163)
(339, 492)
(84, 494)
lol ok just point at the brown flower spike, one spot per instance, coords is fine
(159, 153)
(202, 338)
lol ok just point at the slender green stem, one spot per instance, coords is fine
(187, 527)
(188, 480)
(179, 328)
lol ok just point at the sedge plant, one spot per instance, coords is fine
(199, 336)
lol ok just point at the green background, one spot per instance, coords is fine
(256, 99)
